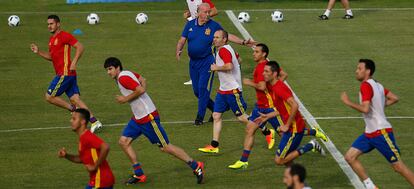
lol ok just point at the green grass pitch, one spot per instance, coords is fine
(319, 56)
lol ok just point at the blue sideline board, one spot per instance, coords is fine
(112, 1)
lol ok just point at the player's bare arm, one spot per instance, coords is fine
(35, 49)
(79, 51)
(259, 86)
(265, 117)
(143, 82)
(180, 46)
(293, 110)
(363, 107)
(213, 12)
(73, 158)
(225, 67)
(237, 40)
(283, 75)
(104, 150)
(134, 95)
(391, 99)
(186, 14)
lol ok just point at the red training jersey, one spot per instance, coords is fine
(89, 149)
(367, 93)
(280, 93)
(264, 100)
(59, 49)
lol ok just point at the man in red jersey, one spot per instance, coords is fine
(92, 152)
(292, 125)
(65, 81)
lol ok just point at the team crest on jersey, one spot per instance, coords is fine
(56, 42)
(208, 31)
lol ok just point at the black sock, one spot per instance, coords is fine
(214, 143)
(266, 131)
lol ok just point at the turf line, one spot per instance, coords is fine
(339, 158)
(180, 11)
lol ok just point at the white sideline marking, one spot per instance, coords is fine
(183, 122)
(180, 11)
(339, 158)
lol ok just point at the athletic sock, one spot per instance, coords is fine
(214, 143)
(73, 108)
(266, 131)
(93, 120)
(349, 12)
(369, 184)
(309, 131)
(306, 148)
(327, 12)
(193, 164)
(245, 156)
(137, 169)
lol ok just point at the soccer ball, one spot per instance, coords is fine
(92, 19)
(141, 18)
(244, 17)
(277, 16)
(14, 21)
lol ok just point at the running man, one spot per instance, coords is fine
(293, 128)
(199, 34)
(65, 81)
(378, 131)
(331, 4)
(229, 95)
(191, 14)
(145, 120)
(92, 152)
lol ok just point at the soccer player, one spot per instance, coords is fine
(92, 152)
(378, 131)
(199, 33)
(65, 81)
(294, 177)
(264, 104)
(229, 95)
(293, 124)
(191, 14)
(145, 120)
(331, 4)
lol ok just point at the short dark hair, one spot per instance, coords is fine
(274, 66)
(369, 64)
(225, 34)
(299, 170)
(85, 115)
(113, 61)
(54, 17)
(264, 48)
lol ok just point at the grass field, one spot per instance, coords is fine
(319, 56)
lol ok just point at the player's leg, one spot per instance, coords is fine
(250, 131)
(129, 134)
(348, 11)
(387, 146)
(56, 88)
(404, 171)
(328, 10)
(157, 135)
(360, 146)
(74, 95)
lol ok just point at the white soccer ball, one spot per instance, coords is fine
(244, 17)
(141, 18)
(14, 21)
(277, 16)
(92, 19)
